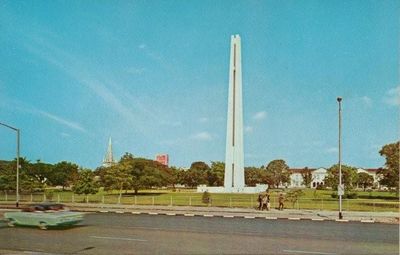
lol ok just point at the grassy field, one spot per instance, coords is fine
(312, 199)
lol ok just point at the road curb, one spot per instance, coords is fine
(239, 216)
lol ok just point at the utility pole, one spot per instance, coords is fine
(18, 166)
(340, 187)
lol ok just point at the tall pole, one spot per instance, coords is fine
(17, 188)
(17, 202)
(339, 99)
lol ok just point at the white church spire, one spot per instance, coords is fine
(108, 158)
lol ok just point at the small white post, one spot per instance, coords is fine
(135, 200)
(102, 199)
(58, 198)
(31, 198)
(230, 202)
(152, 200)
(190, 201)
(44, 197)
(73, 198)
(87, 199)
(119, 198)
(170, 201)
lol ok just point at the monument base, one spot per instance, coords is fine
(245, 190)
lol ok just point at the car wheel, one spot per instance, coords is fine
(11, 222)
(43, 225)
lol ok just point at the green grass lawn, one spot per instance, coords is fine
(312, 199)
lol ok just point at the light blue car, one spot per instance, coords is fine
(43, 216)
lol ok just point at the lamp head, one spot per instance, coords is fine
(339, 99)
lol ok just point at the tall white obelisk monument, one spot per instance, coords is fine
(234, 165)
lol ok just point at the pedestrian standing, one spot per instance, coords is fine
(281, 199)
(259, 201)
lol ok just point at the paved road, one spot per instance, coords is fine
(110, 233)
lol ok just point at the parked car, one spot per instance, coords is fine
(43, 215)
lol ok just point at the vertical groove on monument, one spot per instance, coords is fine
(234, 162)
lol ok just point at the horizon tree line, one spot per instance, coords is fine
(133, 173)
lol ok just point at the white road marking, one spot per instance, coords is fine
(338, 220)
(293, 218)
(136, 212)
(119, 212)
(171, 214)
(208, 215)
(189, 214)
(368, 221)
(228, 216)
(249, 217)
(118, 238)
(103, 211)
(318, 219)
(271, 218)
(309, 252)
(153, 213)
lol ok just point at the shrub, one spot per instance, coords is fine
(351, 195)
(206, 198)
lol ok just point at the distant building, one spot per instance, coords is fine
(109, 158)
(319, 174)
(162, 159)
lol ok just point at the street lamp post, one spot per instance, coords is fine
(18, 142)
(340, 187)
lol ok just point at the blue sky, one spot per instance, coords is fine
(154, 76)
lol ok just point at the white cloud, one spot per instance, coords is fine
(332, 150)
(366, 100)
(260, 115)
(61, 120)
(68, 123)
(248, 129)
(203, 120)
(142, 46)
(202, 136)
(77, 69)
(65, 134)
(393, 96)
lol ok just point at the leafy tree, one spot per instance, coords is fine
(136, 173)
(149, 173)
(64, 174)
(218, 171)
(34, 177)
(389, 175)
(293, 195)
(277, 173)
(349, 177)
(119, 176)
(253, 176)
(86, 183)
(196, 175)
(365, 180)
(307, 177)
(7, 176)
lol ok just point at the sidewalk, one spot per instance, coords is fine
(289, 214)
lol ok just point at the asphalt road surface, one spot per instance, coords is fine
(110, 233)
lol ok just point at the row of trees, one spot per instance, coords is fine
(36, 176)
(132, 173)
